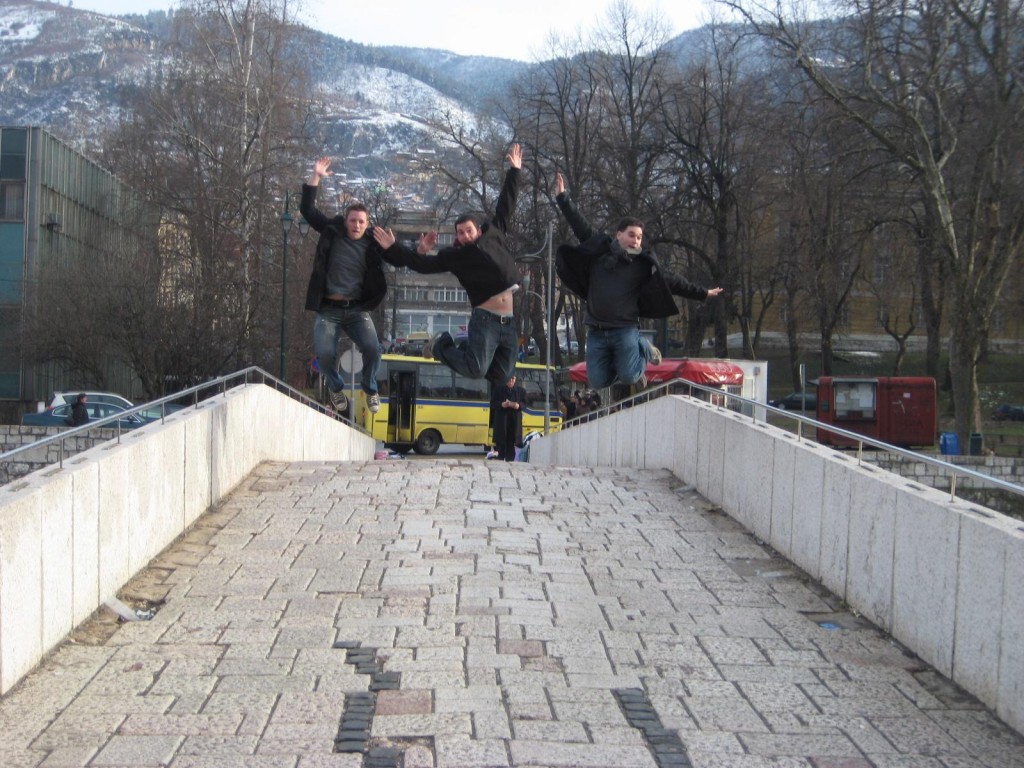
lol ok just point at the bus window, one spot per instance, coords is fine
(533, 381)
(435, 381)
(472, 389)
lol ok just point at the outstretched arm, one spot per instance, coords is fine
(509, 190)
(397, 255)
(688, 290)
(307, 207)
(579, 224)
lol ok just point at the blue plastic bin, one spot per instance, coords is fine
(949, 444)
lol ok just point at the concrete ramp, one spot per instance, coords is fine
(457, 613)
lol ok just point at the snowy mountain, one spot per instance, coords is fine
(65, 68)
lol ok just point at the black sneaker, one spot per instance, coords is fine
(338, 401)
(373, 402)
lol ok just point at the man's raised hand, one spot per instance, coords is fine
(515, 156)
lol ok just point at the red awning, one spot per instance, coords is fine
(708, 372)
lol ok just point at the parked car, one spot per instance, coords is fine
(60, 398)
(570, 348)
(1007, 412)
(111, 398)
(60, 416)
(797, 401)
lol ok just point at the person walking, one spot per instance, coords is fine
(507, 403)
(79, 411)
(346, 283)
(621, 281)
(483, 264)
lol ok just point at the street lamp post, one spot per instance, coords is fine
(549, 291)
(286, 226)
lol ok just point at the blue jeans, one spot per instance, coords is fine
(616, 355)
(327, 330)
(489, 349)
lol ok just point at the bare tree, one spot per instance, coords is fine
(936, 85)
(213, 144)
(715, 115)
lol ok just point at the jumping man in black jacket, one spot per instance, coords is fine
(346, 283)
(621, 282)
(481, 260)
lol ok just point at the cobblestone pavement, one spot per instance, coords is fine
(458, 613)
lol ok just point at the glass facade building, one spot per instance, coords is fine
(58, 208)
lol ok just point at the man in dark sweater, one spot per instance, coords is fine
(485, 267)
(621, 281)
(347, 282)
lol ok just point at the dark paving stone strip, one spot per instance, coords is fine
(664, 744)
(357, 717)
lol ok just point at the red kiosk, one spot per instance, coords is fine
(900, 410)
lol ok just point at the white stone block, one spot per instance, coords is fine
(835, 522)
(687, 422)
(84, 472)
(197, 464)
(871, 545)
(784, 455)
(1010, 706)
(985, 539)
(808, 497)
(54, 497)
(659, 444)
(711, 455)
(118, 498)
(21, 579)
(925, 574)
(749, 474)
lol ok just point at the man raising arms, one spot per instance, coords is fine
(621, 281)
(347, 282)
(483, 264)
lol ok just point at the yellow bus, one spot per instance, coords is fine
(424, 404)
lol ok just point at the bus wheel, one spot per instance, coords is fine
(428, 442)
(402, 448)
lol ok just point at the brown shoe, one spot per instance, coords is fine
(429, 344)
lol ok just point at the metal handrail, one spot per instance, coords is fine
(244, 377)
(670, 387)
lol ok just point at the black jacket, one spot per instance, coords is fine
(484, 268)
(375, 286)
(574, 262)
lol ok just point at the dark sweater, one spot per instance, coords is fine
(611, 301)
(375, 286)
(484, 268)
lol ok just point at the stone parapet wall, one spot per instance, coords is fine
(15, 436)
(1003, 468)
(70, 537)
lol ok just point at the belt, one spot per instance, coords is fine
(342, 303)
(488, 315)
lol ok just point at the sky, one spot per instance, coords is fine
(516, 29)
